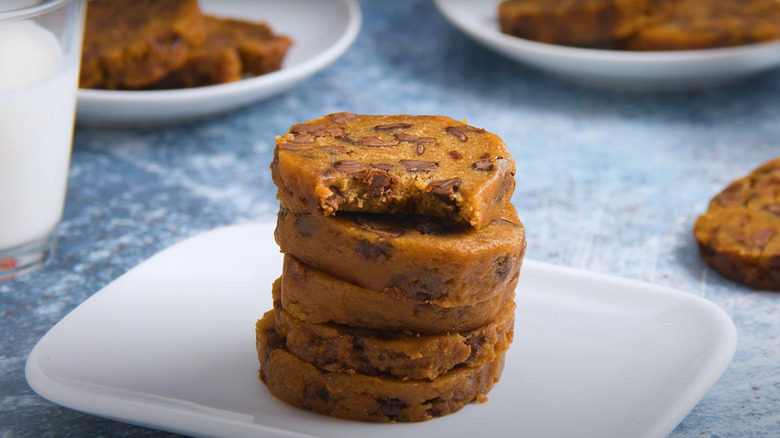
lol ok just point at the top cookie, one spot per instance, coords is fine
(740, 233)
(426, 165)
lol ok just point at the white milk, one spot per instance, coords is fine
(37, 107)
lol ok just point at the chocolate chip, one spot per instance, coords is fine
(367, 224)
(304, 138)
(349, 167)
(303, 128)
(342, 118)
(316, 391)
(419, 166)
(335, 199)
(317, 129)
(376, 142)
(420, 287)
(762, 237)
(306, 227)
(731, 197)
(345, 139)
(483, 166)
(419, 149)
(455, 155)
(766, 187)
(459, 132)
(370, 251)
(376, 178)
(391, 407)
(274, 341)
(379, 182)
(392, 126)
(414, 139)
(446, 187)
(773, 208)
(385, 167)
(392, 234)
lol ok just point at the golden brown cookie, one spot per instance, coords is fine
(367, 398)
(571, 22)
(739, 235)
(131, 47)
(316, 297)
(696, 24)
(418, 258)
(260, 49)
(427, 165)
(403, 354)
(233, 48)
(203, 67)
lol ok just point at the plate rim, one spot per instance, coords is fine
(486, 33)
(156, 414)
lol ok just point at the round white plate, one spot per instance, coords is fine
(671, 70)
(321, 31)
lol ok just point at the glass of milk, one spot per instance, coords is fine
(40, 50)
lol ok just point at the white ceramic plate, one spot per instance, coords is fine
(672, 70)
(321, 31)
(170, 345)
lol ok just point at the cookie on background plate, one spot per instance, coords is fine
(739, 235)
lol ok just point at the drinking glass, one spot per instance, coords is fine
(40, 51)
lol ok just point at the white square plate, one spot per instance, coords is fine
(170, 345)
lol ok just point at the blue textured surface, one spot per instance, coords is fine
(609, 182)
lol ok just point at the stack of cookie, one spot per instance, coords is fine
(402, 253)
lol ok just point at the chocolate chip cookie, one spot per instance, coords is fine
(316, 297)
(571, 23)
(133, 46)
(739, 235)
(403, 354)
(696, 24)
(233, 49)
(419, 258)
(423, 165)
(367, 398)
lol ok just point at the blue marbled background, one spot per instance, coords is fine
(607, 181)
